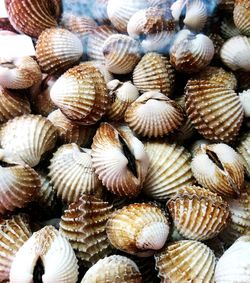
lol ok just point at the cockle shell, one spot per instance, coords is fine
(72, 174)
(198, 214)
(186, 261)
(83, 223)
(26, 138)
(57, 50)
(241, 16)
(245, 101)
(57, 255)
(243, 149)
(219, 168)
(81, 94)
(169, 170)
(119, 160)
(138, 228)
(115, 268)
(154, 73)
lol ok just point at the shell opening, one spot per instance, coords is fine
(214, 158)
(38, 271)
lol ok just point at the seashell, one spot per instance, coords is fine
(169, 170)
(121, 95)
(83, 224)
(26, 138)
(14, 232)
(81, 94)
(241, 16)
(57, 50)
(228, 28)
(243, 149)
(186, 261)
(219, 168)
(196, 146)
(72, 174)
(114, 268)
(177, 8)
(198, 214)
(245, 101)
(119, 160)
(154, 73)
(57, 256)
(233, 266)
(235, 53)
(138, 228)
(19, 186)
(19, 73)
(153, 114)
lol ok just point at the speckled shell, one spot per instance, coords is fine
(219, 168)
(198, 214)
(57, 50)
(57, 255)
(72, 174)
(138, 228)
(245, 101)
(169, 170)
(81, 94)
(119, 160)
(186, 261)
(243, 149)
(154, 73)
(241, 16)
(115, 268)
(26, 138)
(83, 223)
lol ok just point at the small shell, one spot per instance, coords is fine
(115, 268)
(83, 223)
(243, 149)
(138, 228)
(186, 261)
(245, 101)
(119, 159)
(198, 214)
(57, 255)
(241, 16)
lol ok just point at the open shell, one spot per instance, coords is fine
(243, 149)
(241, 16)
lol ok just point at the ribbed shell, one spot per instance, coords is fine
(243, 149)
(186, 261)
(83, 224)
(198, 214)
(139, 228)
(228, 28)
(245, 101)
(241, 16)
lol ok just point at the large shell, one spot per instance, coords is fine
(115, 268)
(119, 159)
(244, 149)
(186, 261)
(138, 228)
(56, 253)
(26, 138)
(241, 15)
(198, 214)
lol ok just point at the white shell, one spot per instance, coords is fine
(245, 101)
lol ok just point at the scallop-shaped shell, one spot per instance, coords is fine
(138, 228)
(245, 101)
(56, 254)
(186, 261)
(72, 174)
(234, 265)
(119, 160)
(26, 138)
(81, 94)
(241, 15)
(169, 170)
(198, 214)
(218, 167)
(154, 73)
(83, 223)
(114, 268)
(243, 149)
(228, 28)
(57, 50)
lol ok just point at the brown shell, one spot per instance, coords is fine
(243, 149)
(241, 16)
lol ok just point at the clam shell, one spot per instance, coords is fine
(243, 149)
(186, 261)
(83, 224)
(119, 160)
(138, 228)
(241, 16)
(245, 101)
(57, 255)
(198, 214)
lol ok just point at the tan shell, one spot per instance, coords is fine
(241, 16)
(26, 138)
(153, 114)
(56, 254)
(83, 223)
(245, 101)
(243, 149)
(154, 73)
(115, 268)
(72, 174)
(198, 214)
(119, 160)
(138, 228)
(169, 170)
(186, 261)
